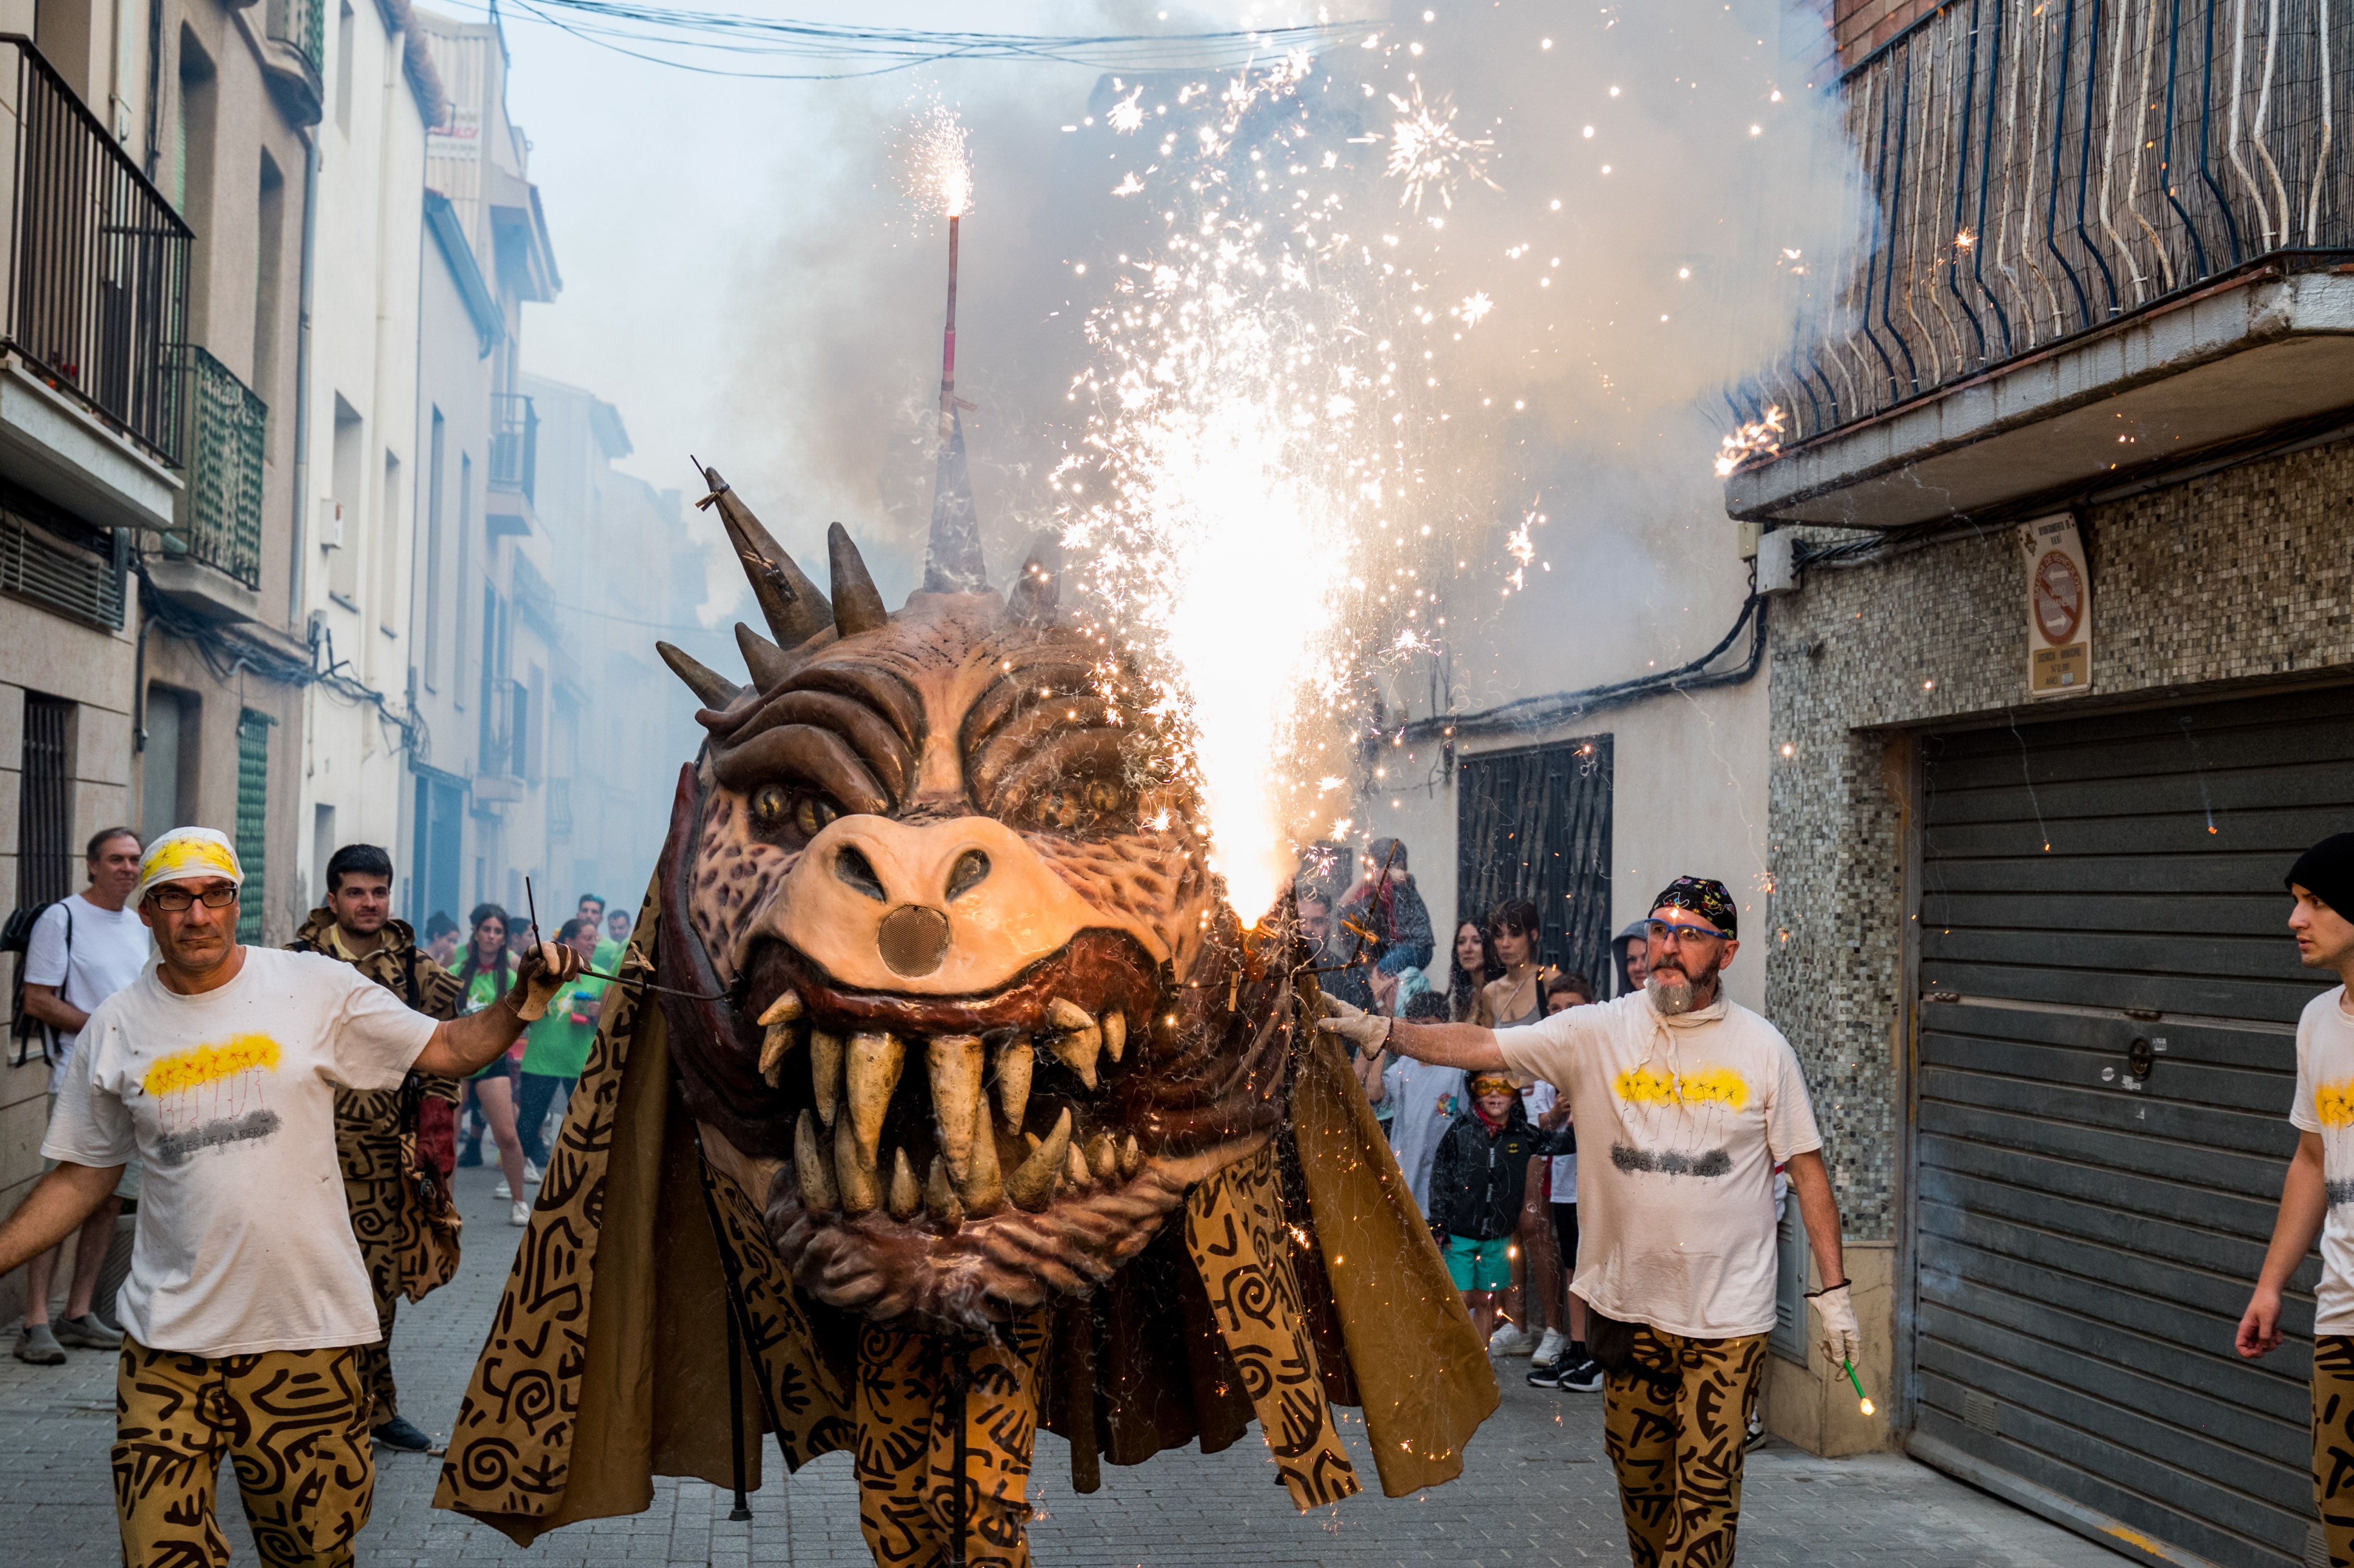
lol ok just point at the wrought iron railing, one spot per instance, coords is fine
(514, 442)
(97, 259)
(2034, 169)
(223, 429)
(302, 25)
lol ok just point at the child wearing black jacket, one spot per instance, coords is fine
(1476, 1185)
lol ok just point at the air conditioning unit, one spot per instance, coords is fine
(331, 523)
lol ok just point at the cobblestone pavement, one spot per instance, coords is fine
(1538, 1490)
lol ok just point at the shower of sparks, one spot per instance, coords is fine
(1759, 437)
(1474, 309)
(1429, 154)
(1127, 114)
(935, 162)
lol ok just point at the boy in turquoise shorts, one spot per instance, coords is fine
(1476, 1185)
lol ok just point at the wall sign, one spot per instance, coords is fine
(2059, 608)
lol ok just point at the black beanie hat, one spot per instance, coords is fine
(2326, 870)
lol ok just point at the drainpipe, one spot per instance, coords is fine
(302, 381)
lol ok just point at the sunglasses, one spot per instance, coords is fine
(1661, 929)
(176, 898)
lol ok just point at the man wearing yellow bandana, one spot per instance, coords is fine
(1685, 1104)
(247, 1302)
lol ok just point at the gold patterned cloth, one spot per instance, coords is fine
(1300, 1279)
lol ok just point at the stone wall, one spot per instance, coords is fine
(2242, 577)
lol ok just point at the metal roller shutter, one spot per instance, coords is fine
(2107, 1055)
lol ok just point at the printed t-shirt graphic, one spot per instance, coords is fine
(245, 1240)
(2325, 1106)
(1676, 1227)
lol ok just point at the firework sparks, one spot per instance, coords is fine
(935, 162)
(1429, 154)
(1759, 437)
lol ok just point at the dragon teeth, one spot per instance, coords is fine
(1075, 1168)
(956, 1104)
(1078, 1051)
(813, 1172)
(862, 1188)
(826, 1073)
(1115, 1032)
(1102, 1157)
(875, 1062)
(940, 1199)
(779, 1040)
(1031, 1187)
(1131, 1159)
(982, 1191)
(904, 1198)
(1014, 1063)
(784, 1010)
(1068, 1015)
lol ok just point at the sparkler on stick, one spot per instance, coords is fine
(940, 169)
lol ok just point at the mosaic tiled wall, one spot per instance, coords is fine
(2246, 575)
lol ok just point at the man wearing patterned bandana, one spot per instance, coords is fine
(1694, 1100)
(247, 1301)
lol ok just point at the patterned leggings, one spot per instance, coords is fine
(1674, 1422)
(2333, 1444)
(912, 1492)
(296, 1424)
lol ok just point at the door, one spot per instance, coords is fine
(2107, 1055)
(1535, 824)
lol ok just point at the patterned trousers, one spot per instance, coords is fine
(2333, 1444)
(1674, 1422)
(368, 1145)
(296, 1425)
(921, 1474)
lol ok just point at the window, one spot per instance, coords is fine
(339, 515)
(433, 482)
(388, 534)
(343, 68)
(252, 818)
(168, 763)
(45, 803)
(465, 578)
(269, 255)
(192, 148)
(1535, 824)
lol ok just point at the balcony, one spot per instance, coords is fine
(2090, 238)
(294, 53)
(95, 289)
(559, 808)
(223, 426)
(506, 741)
(514, 464)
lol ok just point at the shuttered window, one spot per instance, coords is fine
(1535, 824)
(252, 819)
(45, 803)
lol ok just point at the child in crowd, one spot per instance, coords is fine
(1567, 1365)
(1478, 1181)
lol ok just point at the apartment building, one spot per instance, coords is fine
(2066, 682)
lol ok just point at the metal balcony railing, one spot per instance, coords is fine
(223, 427)
(302, 25)
(97, 260)
(515, 443)
(2034, 169)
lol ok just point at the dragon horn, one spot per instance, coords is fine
(857, 607)
(769, 664)
(791, 603)
(716, 689)
(1039, 588)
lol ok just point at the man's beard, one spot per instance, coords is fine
(1673, 992)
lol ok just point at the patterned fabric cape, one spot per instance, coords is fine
(400, 1142)
(1299, 1278)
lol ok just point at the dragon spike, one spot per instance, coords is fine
(857, 607)
(716, 689)
(791, 603)
(769, 664)
(1039, 588)
(953, 557)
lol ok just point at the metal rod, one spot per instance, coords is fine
(741, 1511)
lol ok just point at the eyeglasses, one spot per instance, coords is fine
(1661, 929)
(175, 898)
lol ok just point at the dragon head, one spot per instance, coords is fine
(965, 1009)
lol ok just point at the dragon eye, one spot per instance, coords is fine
(770, 805)
(812, 813)
(775, 807)
(1104, 797)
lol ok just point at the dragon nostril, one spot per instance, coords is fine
(912, 939)
(971, 869)
(855, 869)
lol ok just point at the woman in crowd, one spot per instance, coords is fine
(487, 972)
(1515, 998)
(1469, 967)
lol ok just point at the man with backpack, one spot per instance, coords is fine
(80, 951)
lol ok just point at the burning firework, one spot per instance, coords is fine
(935, 162)
(1429, 154)
(1759, 437)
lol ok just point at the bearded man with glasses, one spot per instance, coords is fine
(1695, 1100)
(248, 1306)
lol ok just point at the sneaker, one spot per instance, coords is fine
(87, 1334)
(1512, 1339)
(1586, 1377)
(1548, 1377)
(1552, 1348)
(501, 1189)
(37, 1347)
(470, 1156)
(520, 1214)
(530, 1174)
(400, 1433)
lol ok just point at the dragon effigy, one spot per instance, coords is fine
(945, 1098)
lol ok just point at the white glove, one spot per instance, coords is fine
(1841, 1343)
(545, 970)
(1368, 1032)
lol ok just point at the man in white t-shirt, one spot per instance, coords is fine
(248, 1300)
(2319, 1188)
(1684, 1103)
(84, 948)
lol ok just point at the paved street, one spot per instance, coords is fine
(1538, 1490)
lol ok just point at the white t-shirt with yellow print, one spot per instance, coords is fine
(244, 1242)
(1679, 1122)
(2325, 1104)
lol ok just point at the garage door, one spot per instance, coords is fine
(2106, 1057)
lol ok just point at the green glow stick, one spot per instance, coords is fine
(1864, 1398)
